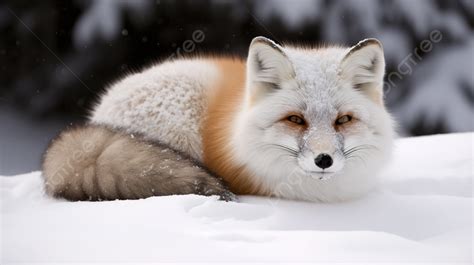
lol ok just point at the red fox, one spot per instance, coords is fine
(290, 122)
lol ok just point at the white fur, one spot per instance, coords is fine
(167, 102)
(321, 88)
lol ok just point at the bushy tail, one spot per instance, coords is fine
(95, 162)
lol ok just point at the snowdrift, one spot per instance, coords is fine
(421, 212)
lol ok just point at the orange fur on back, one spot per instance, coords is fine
(224, 102)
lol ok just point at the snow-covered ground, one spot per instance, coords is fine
(422, 212)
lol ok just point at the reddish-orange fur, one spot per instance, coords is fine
(224, 102)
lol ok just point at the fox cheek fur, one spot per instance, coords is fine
(320, 160)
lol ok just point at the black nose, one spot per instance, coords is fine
(323, 161)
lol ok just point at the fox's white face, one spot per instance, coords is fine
(314, 126)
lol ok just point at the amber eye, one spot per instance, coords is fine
(343, 119)
(296, 119)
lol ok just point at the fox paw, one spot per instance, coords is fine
(228, 196)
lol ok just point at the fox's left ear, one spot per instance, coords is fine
(267, 67)
(364, 67)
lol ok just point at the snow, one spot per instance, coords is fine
(421, 212)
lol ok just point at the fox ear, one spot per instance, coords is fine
(267, 67)
(364, 67)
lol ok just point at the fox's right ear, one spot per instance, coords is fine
(364, 66)
(267, 67)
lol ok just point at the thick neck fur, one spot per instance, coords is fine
(249, 142)
(225, 103)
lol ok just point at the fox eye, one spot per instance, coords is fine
(343, 119)
(296, 119)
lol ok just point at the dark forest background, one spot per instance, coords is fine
(56, 57)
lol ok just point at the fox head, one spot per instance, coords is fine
(314, 125)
